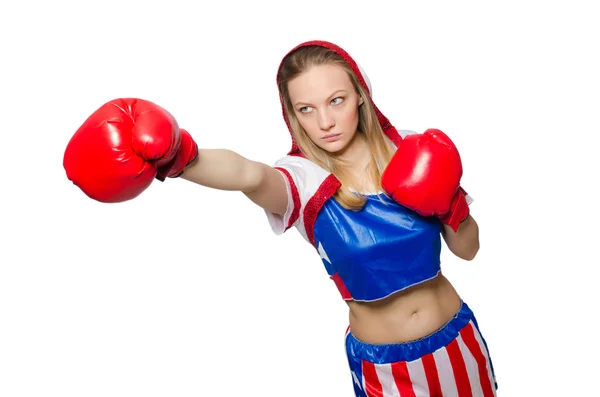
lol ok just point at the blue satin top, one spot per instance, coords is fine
(379, 250)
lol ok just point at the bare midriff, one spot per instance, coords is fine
(407, 315)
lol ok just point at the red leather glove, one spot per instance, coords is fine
(123, 146)
(424, 175)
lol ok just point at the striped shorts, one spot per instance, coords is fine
(453, 361)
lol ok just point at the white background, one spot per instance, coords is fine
(185, 291)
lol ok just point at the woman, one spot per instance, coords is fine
(348, 185)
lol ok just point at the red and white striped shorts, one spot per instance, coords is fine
(453, 361)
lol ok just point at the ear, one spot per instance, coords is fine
(360, 100)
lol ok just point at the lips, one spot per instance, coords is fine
(332, 137)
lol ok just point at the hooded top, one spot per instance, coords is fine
(371, 253)
(387, 127)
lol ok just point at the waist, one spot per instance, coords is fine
(407, 315)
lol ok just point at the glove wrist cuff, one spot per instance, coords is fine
(459, 210)
(187, 153)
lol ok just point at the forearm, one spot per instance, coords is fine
(223, 169)
(463, 243)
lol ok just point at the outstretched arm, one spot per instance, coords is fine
(224, 169)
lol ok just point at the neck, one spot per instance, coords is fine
(357, 158)
(356, 155)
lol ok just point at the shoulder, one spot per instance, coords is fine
(301, 171)
(404, 133)
(296, 161)
(304, 179)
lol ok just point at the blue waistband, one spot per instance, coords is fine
(391, 353)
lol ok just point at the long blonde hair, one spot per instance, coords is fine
(368, 125)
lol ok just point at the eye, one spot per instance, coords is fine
(304, 109)
(337, 101)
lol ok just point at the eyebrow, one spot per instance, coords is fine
(333, 94)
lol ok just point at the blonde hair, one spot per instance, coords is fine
(368, 125)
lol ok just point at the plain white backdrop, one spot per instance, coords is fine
(185, 291)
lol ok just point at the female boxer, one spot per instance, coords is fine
(374, 202)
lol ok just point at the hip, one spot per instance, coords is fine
(452, 361)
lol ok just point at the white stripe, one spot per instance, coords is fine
(445, 373)
(356, 381)
(386, 378)
(485, 354)
(471, 365)
(416, 370)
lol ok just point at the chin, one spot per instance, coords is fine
(336, 147)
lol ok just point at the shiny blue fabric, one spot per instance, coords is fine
(379, 250)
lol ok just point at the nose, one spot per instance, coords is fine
(325, 119)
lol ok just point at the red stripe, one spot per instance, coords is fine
(341, 286)
(431, 373)
(459, 368)
(402, 379)
(295, 197)
(371, 380)
(327, 189)
(468, 336)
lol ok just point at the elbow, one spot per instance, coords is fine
(470, 252)
(253, 177)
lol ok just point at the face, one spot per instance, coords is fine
(326, 105)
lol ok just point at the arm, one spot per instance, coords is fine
(463, 243)
(226, 170)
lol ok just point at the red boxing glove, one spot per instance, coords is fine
(119, 150)
(424, 175)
